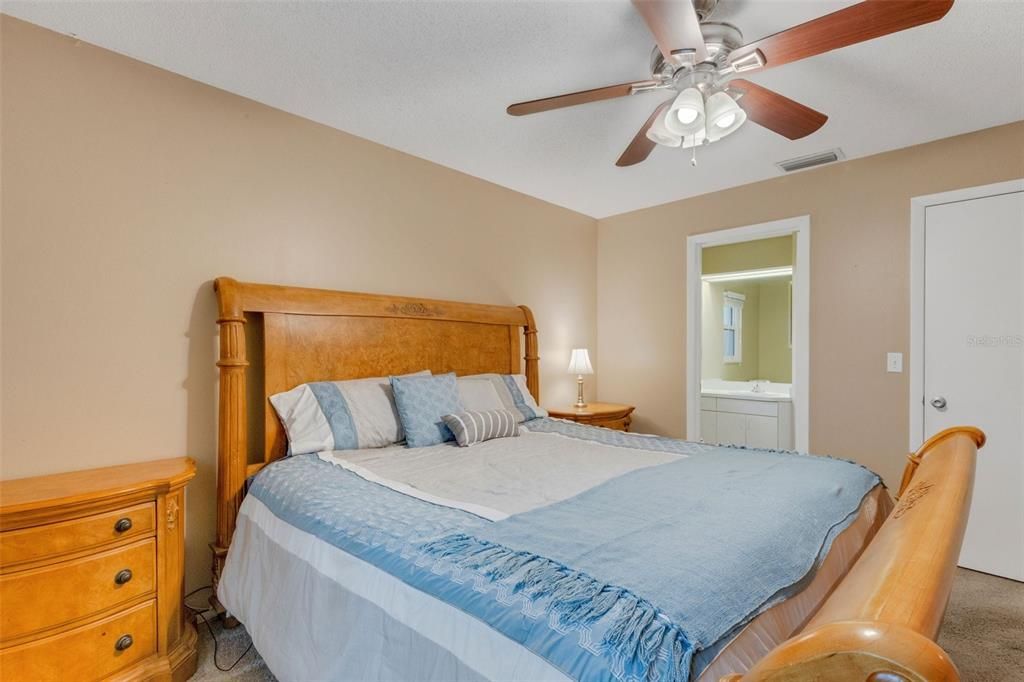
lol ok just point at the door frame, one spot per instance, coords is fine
(918, 213)
(800, 228)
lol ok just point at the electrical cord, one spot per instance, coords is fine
(200, 613)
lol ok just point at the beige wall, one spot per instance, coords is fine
(127, 189)
(860, 214)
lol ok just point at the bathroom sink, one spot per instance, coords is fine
(745, 395)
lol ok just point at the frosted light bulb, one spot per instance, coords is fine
(686, 116)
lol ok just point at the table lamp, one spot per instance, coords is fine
(579, 364)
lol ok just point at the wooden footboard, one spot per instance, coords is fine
(881, 622)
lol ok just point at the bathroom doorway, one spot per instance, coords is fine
(747, 335)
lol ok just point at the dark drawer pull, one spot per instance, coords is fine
(123, 525)
(122, 577)
(124, 642)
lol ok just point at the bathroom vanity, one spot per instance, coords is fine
(756, 414)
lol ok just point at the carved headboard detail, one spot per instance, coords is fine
(318, 335)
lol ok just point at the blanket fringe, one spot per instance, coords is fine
(635, 630)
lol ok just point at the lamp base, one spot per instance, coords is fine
(580, 403)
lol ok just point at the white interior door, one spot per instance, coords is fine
(974, 361)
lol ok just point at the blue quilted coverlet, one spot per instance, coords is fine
(643, 577)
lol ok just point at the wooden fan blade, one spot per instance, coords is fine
(775, 112)
(855, 24)
(641, 146)
(573, 98)
(675, 27)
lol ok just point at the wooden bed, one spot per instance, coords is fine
(879, 624)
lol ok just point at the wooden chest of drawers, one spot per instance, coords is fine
(91, 575)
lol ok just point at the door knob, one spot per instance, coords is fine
(939, 403)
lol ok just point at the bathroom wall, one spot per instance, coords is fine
(766, 353)
(753, 255)
(712, 365)
(774, 352)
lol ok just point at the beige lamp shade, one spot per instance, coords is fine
(579, 362)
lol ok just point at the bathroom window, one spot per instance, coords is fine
(732, 327)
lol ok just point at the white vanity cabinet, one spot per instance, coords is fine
(754, 423)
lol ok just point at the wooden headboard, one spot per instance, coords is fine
(320, 335)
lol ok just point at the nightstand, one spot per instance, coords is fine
(91, 566)
(608, 415)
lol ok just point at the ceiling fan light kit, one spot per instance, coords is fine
(686, 114)
(698, 62)
(695, 140)
(660, 133)
(724, 116)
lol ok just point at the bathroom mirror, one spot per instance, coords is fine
(746, 343)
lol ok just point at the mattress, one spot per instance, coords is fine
(318, 612)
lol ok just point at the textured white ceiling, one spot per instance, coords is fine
(433, 79)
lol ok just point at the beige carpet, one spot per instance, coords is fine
(984, 627)
(983, 632)
(230, 645)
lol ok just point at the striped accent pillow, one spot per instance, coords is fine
(476, 427)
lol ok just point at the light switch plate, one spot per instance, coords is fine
(894, 362)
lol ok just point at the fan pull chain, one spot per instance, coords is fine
(693, 151)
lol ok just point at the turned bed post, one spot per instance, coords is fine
(881, 622)
(530, 354)
(232, 423)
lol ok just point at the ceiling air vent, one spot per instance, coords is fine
(811, 160)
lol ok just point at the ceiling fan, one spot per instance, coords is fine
(699, 60)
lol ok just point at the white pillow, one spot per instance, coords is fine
(340, 415)
(486, 392)
(479, 392)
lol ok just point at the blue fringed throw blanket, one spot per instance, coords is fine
(642, 577)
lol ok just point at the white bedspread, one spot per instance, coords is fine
(497, 478)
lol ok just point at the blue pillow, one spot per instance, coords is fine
(422, 402)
